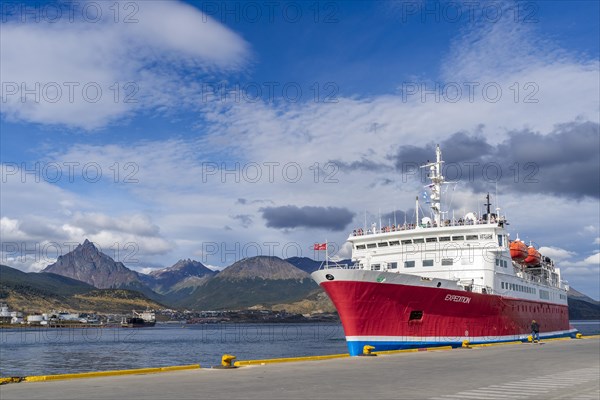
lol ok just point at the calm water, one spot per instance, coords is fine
(54, 351)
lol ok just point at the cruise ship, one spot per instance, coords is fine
(442, 282)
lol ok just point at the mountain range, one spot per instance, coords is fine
(252, 282)
(255, 281)
(86, 278)
(184, 273)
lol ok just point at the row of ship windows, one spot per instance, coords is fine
(518, 288)
(411, 264)
(486, 236)
(501, 263)
(544, 294)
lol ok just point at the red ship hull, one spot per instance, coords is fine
(395, 316)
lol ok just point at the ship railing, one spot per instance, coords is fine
(534, 278)
(338, 266)
(408, 227)
(479, 289)
(531, 275)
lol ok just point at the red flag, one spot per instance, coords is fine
(320, 246)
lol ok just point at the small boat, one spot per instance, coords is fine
(533, 257)
(135, 322)
(518, 250)
(139, 320)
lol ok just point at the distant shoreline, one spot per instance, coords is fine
(171, 323)
(165, 323)
(62, 326)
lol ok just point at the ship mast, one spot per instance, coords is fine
(488, 204)
(437, 179)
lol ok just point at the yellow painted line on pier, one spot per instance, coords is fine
(289, 359)
(496, 344)
(330, 356)
(384, 352)
(556, 338)
(4, 381)
(97, 374)
(590, 336)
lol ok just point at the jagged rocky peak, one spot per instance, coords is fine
(88, 264)
(186, 267)
(187, 263)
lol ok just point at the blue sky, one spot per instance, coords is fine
(377, 85)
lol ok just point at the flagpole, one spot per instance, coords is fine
(326, 255)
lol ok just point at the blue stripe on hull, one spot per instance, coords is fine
(355, 348)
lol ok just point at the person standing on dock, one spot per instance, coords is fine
(535, 331)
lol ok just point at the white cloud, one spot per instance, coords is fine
(41, 221)
(345, 251)
(556, 253)
(31, 250)
(584, 279)
(311, 131)
(144, 59)
(95, 222)
(590, 261)
(593, 260)
(597, 240)
(9, 228)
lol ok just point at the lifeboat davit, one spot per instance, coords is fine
(518, 250)
(533, 256)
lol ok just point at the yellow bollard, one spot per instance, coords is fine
(578, 336)
(530, 338)
(368, 350)
(466, 344)
(227, 360)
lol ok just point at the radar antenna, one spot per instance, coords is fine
(488, 204)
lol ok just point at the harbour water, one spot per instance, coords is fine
(55, 351)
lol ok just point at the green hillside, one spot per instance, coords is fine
(42, 292)
(581, 309)
(225, 294)
(44, 282)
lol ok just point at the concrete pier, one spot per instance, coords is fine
(562, 369)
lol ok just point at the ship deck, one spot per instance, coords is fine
(561, 369)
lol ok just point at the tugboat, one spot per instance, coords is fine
(139, 320)
(441, 282)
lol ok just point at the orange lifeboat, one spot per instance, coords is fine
(518, 250)
(533, 256)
